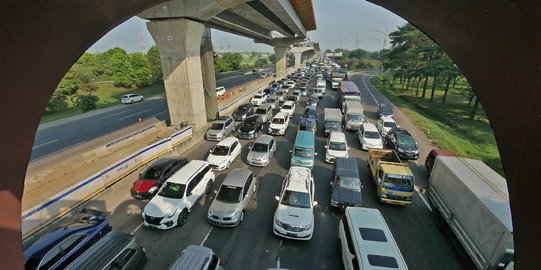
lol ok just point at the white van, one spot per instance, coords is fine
(366, 241)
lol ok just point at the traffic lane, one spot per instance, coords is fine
(233, 81)
(430, 249)
(73, 133)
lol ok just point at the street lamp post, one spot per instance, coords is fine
(379, 56)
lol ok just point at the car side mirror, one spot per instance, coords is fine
(277, 198)
(330, 183)
(314, 203)
(290, 151)
(325, 146)
(216, 192)
(189, 194)
(315, 154)
(349, 148)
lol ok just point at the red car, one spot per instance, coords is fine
(154, 176)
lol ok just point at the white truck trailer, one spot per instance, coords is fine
(473, 201)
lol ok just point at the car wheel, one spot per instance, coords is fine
(182, 218)
(241, 216)
(132, 101)
(209, 187)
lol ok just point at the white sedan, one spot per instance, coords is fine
(131, 98)
(279, 124)
(288, 108)
(224, 153)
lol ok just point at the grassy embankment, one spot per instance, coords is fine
(109, 96)
(448, 126)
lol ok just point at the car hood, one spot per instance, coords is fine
(337, 153)
(346, 195)
(160, 206)
(277, 126)
(244, 128)
(257, 155)
(294, 216)
(143, 185)
(239, 113)
(408, 147)
(373, 141)
(222, 209)
(213, 159)
(214, 131)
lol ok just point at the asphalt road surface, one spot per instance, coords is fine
(59, 135)
(252, 245)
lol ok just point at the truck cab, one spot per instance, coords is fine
(393, 180)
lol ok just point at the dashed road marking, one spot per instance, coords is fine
(115, 114)
(137, 228)
(128, 116)
(207, 236)
(422, 196)
(43, 144)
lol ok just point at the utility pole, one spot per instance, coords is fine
(142, 42)
(357, 41)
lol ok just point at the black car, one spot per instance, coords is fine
(154, 176)
(403, 143)
(385, 110)
(243, 111)
(250, 127)
(346, 186)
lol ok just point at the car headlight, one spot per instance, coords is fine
(278, 222)
(251, 132)
(170, 216)
(270, 129)
(210, 213)
(223, 162)
(152, 189)
(307, 227)
(400, 150)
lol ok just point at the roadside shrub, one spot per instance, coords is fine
(86, 102)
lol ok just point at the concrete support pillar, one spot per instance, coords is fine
(178, 42)
(281, 61)
(298, 59)
(209, 75)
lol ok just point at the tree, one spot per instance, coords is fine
(220, 65)
(153, 57)
(260, 62)
(121, 68)
(232, 60)
(57, 103)
(272, 58)
(142, 70)
(85, 102)
(68, 85)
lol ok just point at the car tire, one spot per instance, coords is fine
(241, 217)
(208, 189)
(182, 218)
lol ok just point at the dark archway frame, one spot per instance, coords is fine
(496, 44)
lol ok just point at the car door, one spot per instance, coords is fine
(194, 190)
(233, 151)
(391, 141)
(272, 148)
(248, 191)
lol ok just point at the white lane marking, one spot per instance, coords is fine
(54, 153)
(128, 116)
(115, 114)
(278, 263)
(156, 114)
(207, 236)
(136, 229)
(366, 86)
(43, 144)
(422, 196)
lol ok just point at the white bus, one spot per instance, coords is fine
(366, 241)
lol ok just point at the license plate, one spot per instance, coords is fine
(292, 234)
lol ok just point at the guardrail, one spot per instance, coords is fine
(63, 202)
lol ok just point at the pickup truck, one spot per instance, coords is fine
(393, 179)
(473, 201)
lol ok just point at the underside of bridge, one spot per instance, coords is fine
(495, 43)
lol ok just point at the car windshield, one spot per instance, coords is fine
(271, 100)
(217, 126)
(287, 107)
(310, 111)
(296, 199)
(303, 152)
(406, 140)
(291, 98)
(153, 173)
(386, 110)
(242, 109)
(348, 183)
(229, 194)
(389, 124)
(278, 121)
(260, 147)
(332, 125)
(250, 122)
(355, 118)
(220, 150)
(258, 96)
(398, 181)
(371, 135)
(338, 146)
(172, 190)
(261, 111)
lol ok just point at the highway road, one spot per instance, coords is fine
(252, 245)
(59, 135)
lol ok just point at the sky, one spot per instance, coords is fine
(349, 24)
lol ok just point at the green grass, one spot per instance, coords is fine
(449, 126)
(109, 96)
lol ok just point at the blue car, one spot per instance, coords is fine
(60, 247)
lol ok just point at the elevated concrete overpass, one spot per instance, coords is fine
(494, 43)
(181, 30)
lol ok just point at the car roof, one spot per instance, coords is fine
(222, 119)
(337, 136)
(264, 106)
(164, 162)
(346, 167)
(298, 178)
(244, 105)
(369, 127)
(280, 115)
(265, 139)
(183, 175)
(227, 141)
(237, 177)
(387, 119)
(289, 102)
(259, 94)
(253, 116)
